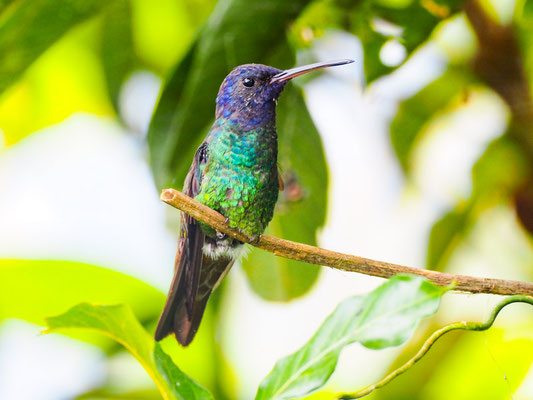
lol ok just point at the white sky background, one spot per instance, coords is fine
(62, 192)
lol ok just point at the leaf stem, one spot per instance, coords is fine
(463, 325)
(346, 262)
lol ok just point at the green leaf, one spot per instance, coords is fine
(415, 22)
(4, 4)
(231, 36)
(385, 317)
(183, 387)
(118, 55)
(301, 209)
(372, 43)
(30, 27)
(415, 113)
(33, 289)
(495, 177)
(119, 323)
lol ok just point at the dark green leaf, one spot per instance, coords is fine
(301, 209)
(119, 323)
(33, 26)
(118, 54)
(415, 112)
(372, 44)
(385, 317)
(528, 9)
(414, 20)
(237, 32)
(495, 177)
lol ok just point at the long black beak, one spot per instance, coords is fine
(294, 72)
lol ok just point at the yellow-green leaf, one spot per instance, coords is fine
(119, 323)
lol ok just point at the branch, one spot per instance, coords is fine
(345, 262)
(467, 326)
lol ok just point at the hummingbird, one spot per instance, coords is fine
(235, 172)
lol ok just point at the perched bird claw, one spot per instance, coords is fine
(220, 235)
(255, 239)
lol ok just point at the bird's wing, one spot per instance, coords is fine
(191, 235)
(181, 298)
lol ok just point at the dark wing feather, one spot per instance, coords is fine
(179, 309)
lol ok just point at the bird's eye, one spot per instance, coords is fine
(248, 82)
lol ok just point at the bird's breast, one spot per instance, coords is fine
(241, 180)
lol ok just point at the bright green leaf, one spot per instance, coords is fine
(385, 317)
(31, 27)
(119, 323)
(301, 209)
(183, 387)
(164, 29)
(499, 354)
(4, 4)
(34, 289)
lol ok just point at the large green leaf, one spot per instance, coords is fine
(118, 55)
(385, 317)
(30, 27)
(495, 177)
(182, 386)
(119, 323)
(237, 32)
(415, 112)
(4, 4)
(33, 289)
(414, 20)
(302, 205)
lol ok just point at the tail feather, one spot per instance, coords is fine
(185, 307)
(182, 294)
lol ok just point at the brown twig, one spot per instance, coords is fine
(346, 262)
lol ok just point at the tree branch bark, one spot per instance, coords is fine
(345, 262)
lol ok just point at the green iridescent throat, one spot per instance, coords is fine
(240, 178)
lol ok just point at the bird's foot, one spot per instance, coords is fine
(254, 239)
(221, 235)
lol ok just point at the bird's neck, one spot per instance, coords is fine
(244, 147)
(249, 116)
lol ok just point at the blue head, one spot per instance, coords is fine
(249, 93)
(248, 96)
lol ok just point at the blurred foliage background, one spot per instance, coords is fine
(423, 156)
